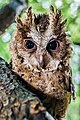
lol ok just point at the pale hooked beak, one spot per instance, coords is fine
(40, 60)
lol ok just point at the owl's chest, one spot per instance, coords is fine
(50, 83)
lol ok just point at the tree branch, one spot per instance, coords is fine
(9, 11)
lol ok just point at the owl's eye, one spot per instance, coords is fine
(29, 44)
(52, 45)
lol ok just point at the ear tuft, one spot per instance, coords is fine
(29, 13)
(29, 9)
(57, 25)
(29, 17)
(52, 8)
(19, 22)
(64, 22)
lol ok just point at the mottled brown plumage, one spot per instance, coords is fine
(40, 52)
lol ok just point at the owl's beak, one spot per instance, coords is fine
(41, 61)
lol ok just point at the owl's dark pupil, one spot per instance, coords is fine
(52, 45)
(29, 44)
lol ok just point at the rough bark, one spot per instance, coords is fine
(9, 11)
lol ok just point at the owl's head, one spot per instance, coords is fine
(40, 43)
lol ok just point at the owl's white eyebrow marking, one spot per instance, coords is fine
(39, 44)
(49, 38)
(36, 42)
(53, 37)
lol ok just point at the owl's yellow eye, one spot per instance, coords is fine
(29, 44)
(52, 45)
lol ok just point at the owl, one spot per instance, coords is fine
(40, 53)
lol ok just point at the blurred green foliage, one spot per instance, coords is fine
(4, 50)
(71, 11)
(3, 2)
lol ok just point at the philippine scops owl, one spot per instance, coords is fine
(40, 53)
